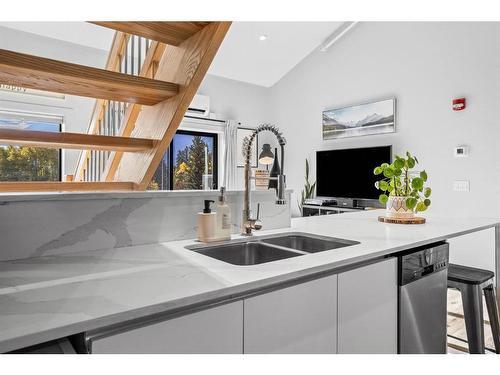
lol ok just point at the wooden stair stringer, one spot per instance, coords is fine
(185, 65)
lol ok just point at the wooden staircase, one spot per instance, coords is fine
(153, 71)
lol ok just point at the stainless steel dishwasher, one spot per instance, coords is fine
(422, 300)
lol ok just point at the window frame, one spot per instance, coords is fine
(215, 155)
(60, 167)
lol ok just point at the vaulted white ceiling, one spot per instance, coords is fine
(242, 56)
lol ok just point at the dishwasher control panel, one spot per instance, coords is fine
(421, 263)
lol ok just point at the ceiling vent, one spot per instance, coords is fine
(199, 107)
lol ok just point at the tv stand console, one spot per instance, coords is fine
(310, 210)
(329, 206)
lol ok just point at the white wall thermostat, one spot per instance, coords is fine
(461, 151)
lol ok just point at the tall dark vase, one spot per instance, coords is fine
(275, 171)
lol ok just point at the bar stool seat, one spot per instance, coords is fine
(472, 282)
(468, 275)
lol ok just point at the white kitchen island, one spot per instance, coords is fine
(51, 297)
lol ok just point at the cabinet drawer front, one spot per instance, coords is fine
(368, 305)
(215, 330)
(297, 319)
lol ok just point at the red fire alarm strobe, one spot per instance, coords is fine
(459, 104)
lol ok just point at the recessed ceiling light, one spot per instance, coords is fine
(263, 37)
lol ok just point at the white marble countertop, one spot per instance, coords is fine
(54, 296)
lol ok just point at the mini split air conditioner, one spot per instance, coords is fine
(199, 107)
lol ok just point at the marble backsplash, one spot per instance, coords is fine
(45, 224)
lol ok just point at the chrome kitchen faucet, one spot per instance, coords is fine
(249, 223)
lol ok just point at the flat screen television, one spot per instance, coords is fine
(348, 173)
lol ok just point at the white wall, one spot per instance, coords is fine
(75, 110)
(424, 65)
(240, 101)
(236, 100)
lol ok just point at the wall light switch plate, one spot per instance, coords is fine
(461, 185)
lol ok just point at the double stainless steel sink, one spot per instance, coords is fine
(265, 249)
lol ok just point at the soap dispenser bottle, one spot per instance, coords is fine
(223, 211)
(206, 223)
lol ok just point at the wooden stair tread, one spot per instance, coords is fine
(19, 69)
(77, 141)
(56, 186)
(173, 33)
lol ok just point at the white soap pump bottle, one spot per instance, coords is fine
(207, 221)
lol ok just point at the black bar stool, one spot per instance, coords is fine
(471, 282)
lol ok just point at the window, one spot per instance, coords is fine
(190, 163)
(24, 163)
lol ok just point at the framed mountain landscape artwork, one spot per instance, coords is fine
(375, 117)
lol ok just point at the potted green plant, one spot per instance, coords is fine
(403, 191)
(308, 191)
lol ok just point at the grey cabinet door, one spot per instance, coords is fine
(215, 330)
(368, 304)
(297, 319)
